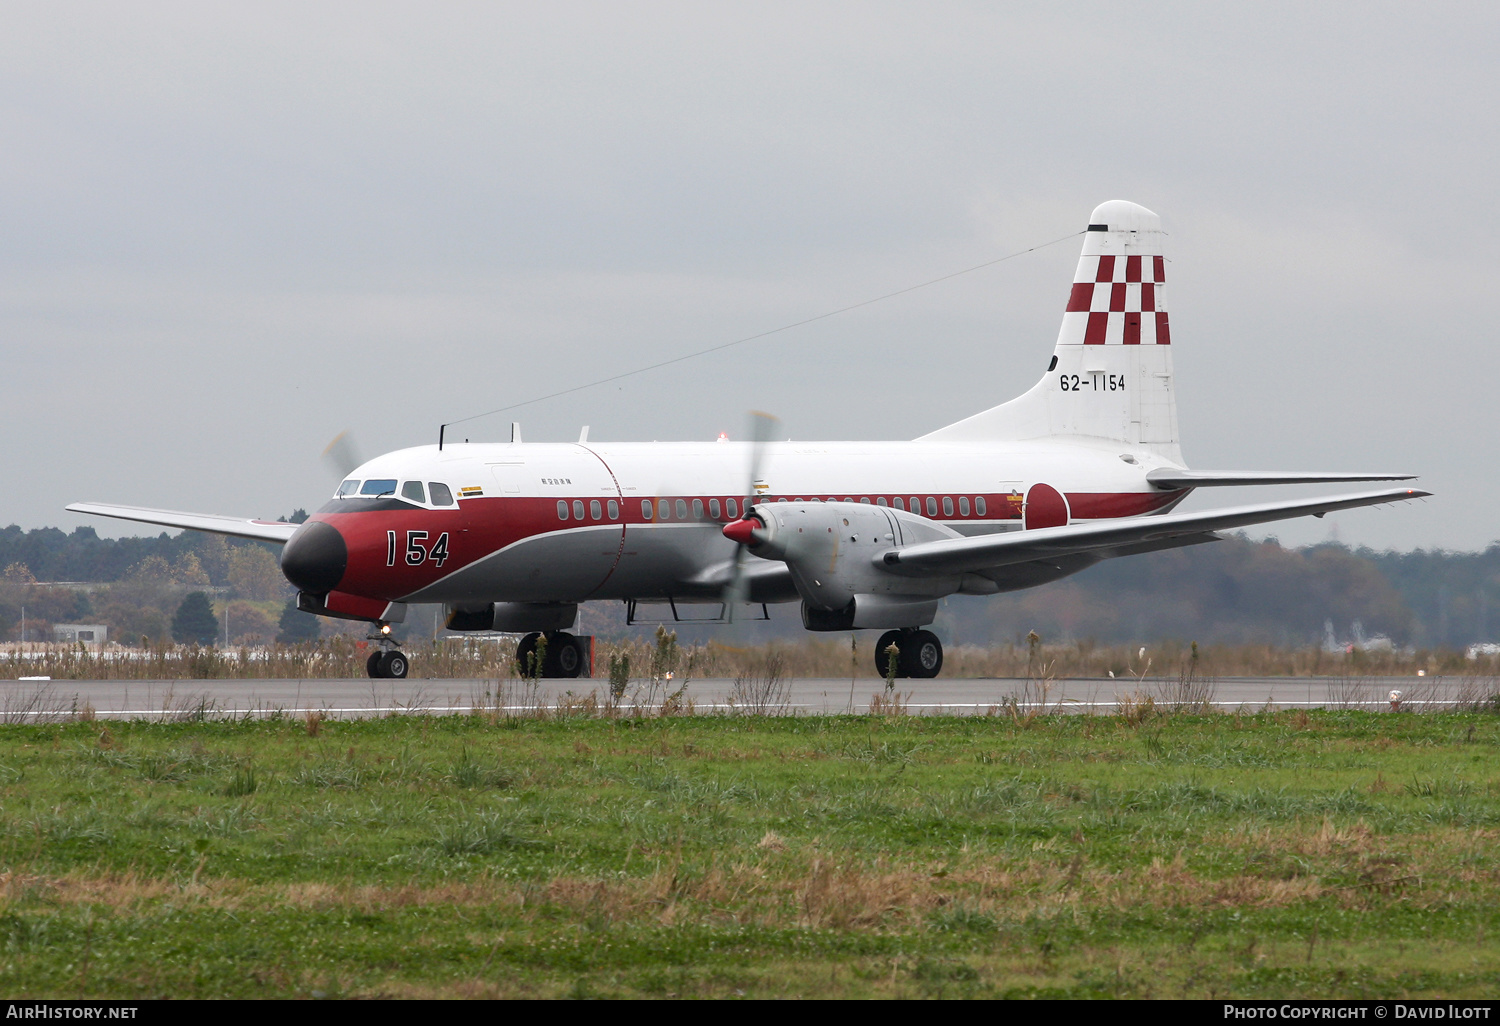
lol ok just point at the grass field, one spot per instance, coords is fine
(1317, 854)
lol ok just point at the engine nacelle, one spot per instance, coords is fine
(513, 617)
(834, 550)
(877, 612)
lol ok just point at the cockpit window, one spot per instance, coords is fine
(413, 490)
(441, 496)
(348, 488)
(379, 486)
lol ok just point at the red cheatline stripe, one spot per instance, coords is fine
(1133, 268)
(1106, 269)
(1094, 335)
(1163, 337)
(1079, 298)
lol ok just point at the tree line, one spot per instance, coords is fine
(189, 587)
(1232, 592)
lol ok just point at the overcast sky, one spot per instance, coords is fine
(232, 231)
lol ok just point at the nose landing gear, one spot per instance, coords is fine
(389, 661)
(919, 653)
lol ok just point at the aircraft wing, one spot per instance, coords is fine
(260, 530)
(1167, 477)
(1112, 537)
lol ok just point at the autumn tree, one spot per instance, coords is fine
(253, 573)
(248, 624)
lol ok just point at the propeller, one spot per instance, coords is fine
(737, 591)
(342, 455)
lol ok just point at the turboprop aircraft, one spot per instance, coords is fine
(511, 537)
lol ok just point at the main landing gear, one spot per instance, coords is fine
(562, 655)
(919, 653)
(389, 661)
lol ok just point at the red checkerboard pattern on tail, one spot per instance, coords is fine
(1117, 301)
(1110, 376)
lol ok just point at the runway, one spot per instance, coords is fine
(61, 700)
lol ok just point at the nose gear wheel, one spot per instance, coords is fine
(389, 661)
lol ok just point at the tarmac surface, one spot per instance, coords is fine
(47, 701)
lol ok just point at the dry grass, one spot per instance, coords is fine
(651, 658)
(783, 889)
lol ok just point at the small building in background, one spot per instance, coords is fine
(87, 633)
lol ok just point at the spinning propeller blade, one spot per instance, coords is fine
(342, 456)
(737, 591)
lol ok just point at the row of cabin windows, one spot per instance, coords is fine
(663, 509)
(441, 494)
(980, 507)
(596, 510)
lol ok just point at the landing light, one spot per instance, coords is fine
(385, 629)
(723, 437)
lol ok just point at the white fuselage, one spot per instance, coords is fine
(571, 522)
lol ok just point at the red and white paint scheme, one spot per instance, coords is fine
(865, 535)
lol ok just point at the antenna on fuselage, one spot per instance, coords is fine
(515, 432)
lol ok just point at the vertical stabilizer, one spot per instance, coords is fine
(1111, 374)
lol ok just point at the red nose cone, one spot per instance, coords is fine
(741, 531)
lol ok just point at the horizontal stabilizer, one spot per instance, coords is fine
(1168, 478)
(1112, 537)
(239, 527)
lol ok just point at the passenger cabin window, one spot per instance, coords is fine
(348, 488)
(614, 510)
(713, 508)
(413, 490)
(931, 506)
(681, 509)
(663, 509)
(979, 504)
(916, 504)
(697, 509)
(733, 507)
(379, 486)
(947, 505)
(441, 496)
(577, 509)
(898, 503)
(963, 505)
(595, 510)
(646, 509)
(562, 509)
